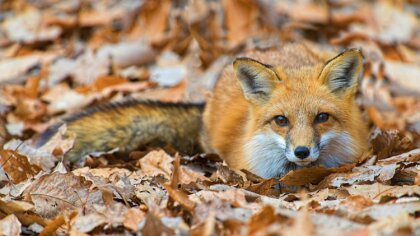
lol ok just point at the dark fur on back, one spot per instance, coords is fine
(130, 124)
(130, 103)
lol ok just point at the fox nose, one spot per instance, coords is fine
(302, 152)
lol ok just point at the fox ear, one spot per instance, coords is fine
(257, 79)
(341, 74)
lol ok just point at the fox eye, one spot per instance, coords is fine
(322, 117)
(281, 120)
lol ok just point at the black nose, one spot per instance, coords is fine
(302, 152)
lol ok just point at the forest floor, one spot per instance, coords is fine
(60, 57)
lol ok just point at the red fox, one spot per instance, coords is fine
(271, 112)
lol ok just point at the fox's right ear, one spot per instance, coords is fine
(257, 79)
(341, 74)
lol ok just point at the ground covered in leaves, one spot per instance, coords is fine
(59, 57)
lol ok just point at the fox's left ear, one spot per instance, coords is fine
(341, 74)
(257, 80)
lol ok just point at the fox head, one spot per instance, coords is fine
(301, 116)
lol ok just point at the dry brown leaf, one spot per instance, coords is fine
(16, 166)
(411, 156)
(154, 19)
(176, 174)
(107, 81)
(150, 194)
(154, 226)
(390, 24)
(356, 202)
(306, 11)
(111, 50)
(377, 191)
(156, 163)
(126, 54)
(132, 218)
(62, 98)
(225, 194)
(28, 109)
(263, 187)
(15, 69)
(99, 17)
(101, 215)
(207, 227)
(56, 193)
(38, 157)
(15, 206)
(403, 224)
(169, 70)
(240, 19)
(180, 197)
(390, 210)
(228, 176)
(261, 220)
(87, 223)
(90, 65)
(303, 225)
(389, 143)
(403, 76)
(188, 176)
(52, 226)
(173, 94)
(27, 27)
(312, 174)
(10, 225)
(362, 174)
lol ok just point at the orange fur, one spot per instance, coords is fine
(239, 125)
(241, 119)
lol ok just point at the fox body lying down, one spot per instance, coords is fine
(271, 112)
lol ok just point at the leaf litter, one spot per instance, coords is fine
(62, 57)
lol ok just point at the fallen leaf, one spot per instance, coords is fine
(101, 215)
(51, 227)
(132, 219)
(303, 225)
(107, 81)
(389, 143)
(150, 194)
(411, 156)
(228, 176)
(125, 54)
(156, 163)
(38, 157)
(62, 98)
(262, 188)
(15, 69)
(153, 20)
(360, 175)
(356, 202)
(378, 191)
(27, 28)
(383, 211)
(180, 197)
(240, 18)
(56, 193)
(390, 24)
(10, 225)
(311, 175)
(154, 226)
(261, 220)
(15, 206)
(168, 76)
(403, 76)
(17, 166)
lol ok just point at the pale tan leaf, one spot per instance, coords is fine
(10, 225)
